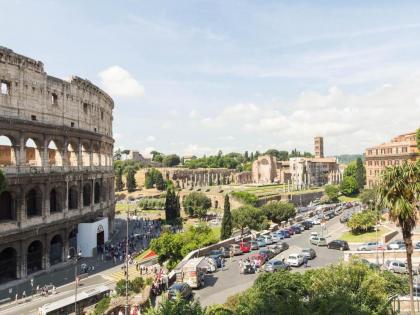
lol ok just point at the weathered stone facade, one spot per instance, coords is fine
(56, 152)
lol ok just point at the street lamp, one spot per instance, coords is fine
(126, 261)
(77, 255)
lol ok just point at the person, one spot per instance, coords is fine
(24, 295)
(222, 263)
(305, 261)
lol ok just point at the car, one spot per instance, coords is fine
(295, 260)
(268, 240)
(338, 244)
(212, 264)
(283, 246)
(257, 259)
(370, 264)
(306, 225)
(316, 221)
(275, 238)
(296, 229)
(235, 249)
(286, 233)
(245, 247)
(275, 249)
(254, 245)
(217, 257)
(395, 245)
(395, 266)
(370, 246)
(225, 251)
(261, 242)
(276, 265)
(309, 253)
(290, 230)
(318, 241)
(266, 253)
(181, 289)
(279, 234)
(344, 218)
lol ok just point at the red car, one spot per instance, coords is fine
(245, 247)
(290, 230)
(258, 259)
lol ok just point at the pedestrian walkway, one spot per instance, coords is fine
(116, 275)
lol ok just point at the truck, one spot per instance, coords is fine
(193, 272)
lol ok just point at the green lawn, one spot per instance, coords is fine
(363, 238)
(216, 231)
(348, 199)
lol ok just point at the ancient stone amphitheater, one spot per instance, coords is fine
(56, 150)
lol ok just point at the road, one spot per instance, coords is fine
(222, 284)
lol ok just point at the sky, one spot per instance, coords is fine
(196, 77)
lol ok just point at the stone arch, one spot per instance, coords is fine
(33, 200)
(56, 249)
(8, 264)
(32, 153)
(7, 151)
(87, 195)
(56, 198)
(34, 257)
(73, 197)
(95, 154)
(85, 154)
(72, 239)
(7, 207)
(97, 193)
(72, 154)
(54, 154)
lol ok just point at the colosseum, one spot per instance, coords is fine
(56, 150)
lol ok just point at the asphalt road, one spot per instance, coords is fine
(224, 283)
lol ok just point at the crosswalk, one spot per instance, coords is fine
(115, 275)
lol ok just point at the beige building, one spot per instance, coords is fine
(399, 149)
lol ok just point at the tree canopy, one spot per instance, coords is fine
(131, 180)
(332, 192)
(196, 204)
(227, 225)
(278, 211)
(249, 216)
(171, 160)
(348, 186)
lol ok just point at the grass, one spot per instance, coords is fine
(363, 238)
(216, 231)
(348, 199)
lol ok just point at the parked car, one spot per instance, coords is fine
(254, 245)
(344, 218)
(290, 230)
(296, 229)
(338, 244)
(318, 241)
(245, 247)
(181, 289)
(235, 249)
(225, 251)
(395, 245)
(316, 221)
(295, 260)
(395, 266)
(258, 259)
(275, 249)
(279, 234)
(275, 238)
(266, 253)
(261, 242)
(283, 246)
(307, 225)
(418, 245)
(286, 233)
(371, 246)
(212, 264)
(217, 257)
(276, 265)
(309, 253)
(268, 240)
(370, 264)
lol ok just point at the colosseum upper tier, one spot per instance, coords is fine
(56, 151)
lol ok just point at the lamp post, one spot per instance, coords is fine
(77, 255)
(126, 261)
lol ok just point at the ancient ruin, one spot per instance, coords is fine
(56, 151)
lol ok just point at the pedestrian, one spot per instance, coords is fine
(305, 261)
(16, 298)
(222, 263)
(53, 290)
(24, 295)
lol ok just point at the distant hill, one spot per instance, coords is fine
(347, 158)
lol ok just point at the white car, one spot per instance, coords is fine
(316, 221)
(295, 260)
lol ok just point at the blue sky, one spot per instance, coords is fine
(193, 77)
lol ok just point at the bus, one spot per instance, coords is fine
(65, 306)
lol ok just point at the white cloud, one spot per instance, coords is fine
(192, 114)
(119, 82)
(227, 138)
(348, 122)
(151, 138)
(194, 149)
(147, 150)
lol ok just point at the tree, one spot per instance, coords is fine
(278, 211)
(154, 178)
(368, 196)
(246, 157)
(178, 306)
(350, 170)
(348, 186)
(171, 205)
(226, 229)
(196, 204)
(360, 174)
(399, 191)
(156, 156)
(418, 138)
(332, 192)
(131, 180)
(248, 216)
(117, 155)
(119, 185)
(159, 182)
(171, 160)
(363, 221)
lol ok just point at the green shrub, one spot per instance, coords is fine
(137, 284)
(102, 306)
(245, 197)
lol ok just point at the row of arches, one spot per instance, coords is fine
(34, 200)
(35, 257)
(54, 153)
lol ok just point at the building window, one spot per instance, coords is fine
(85, 108)
(33, 117)
(404, 149)
(5, 88)
(102, 115)
(54, 99)
(72, 124)
(369, 152)
(369, 163)
(390, 150)
(382, 163)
